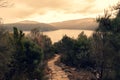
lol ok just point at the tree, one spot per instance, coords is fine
(75, 52)
(82, 51)
(66, 48)
(5, 52)
(102, 53)
(26, 59)
(106, 45)
(44, 42)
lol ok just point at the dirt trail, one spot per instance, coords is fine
(56, 72)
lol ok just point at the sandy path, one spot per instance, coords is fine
(56, 72)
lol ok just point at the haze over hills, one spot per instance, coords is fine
(80, 24)
(29, 25)
(28, 22)
(83, 24)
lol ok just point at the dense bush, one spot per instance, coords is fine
(26, 59)
(44, 42)
(5, 52)
(75, 52)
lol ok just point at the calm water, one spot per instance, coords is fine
(58, 34)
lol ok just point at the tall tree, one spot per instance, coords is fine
(26, 59)
(5, 52)
(106, 40)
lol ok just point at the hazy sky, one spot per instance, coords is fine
(53, 10)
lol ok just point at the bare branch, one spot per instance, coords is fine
(3, 3)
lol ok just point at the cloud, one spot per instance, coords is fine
(81, 9)
(25, 8)
(90, 1)
(15, 12)
(46, 3)
(69, 6)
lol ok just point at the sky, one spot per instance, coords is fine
(49, 11)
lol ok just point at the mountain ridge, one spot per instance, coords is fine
(28, 21)
(80, 24)
(85, 23)
(28, 25)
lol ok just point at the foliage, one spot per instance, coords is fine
(5, 52)
(101, 52)
(82, 50)
(26, 59)
(75, 53)
(106, 46)
(66, 48)
(44, 42)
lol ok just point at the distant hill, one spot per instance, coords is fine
(86, 24)
(29, 25)
(82, 24)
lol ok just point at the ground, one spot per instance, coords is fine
(59, 71)
(56, 72)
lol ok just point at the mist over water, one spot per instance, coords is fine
(58, 34)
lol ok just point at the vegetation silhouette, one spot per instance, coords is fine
(25, 57)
